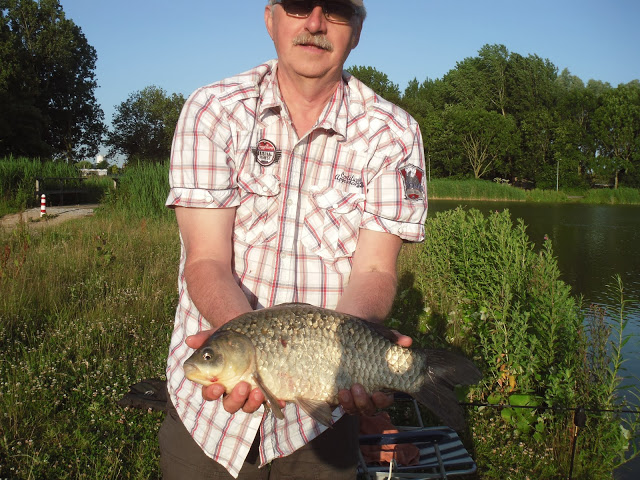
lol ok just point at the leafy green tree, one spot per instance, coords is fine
(143, 125)
(378, 82)
(47, 82)
(574, 148)
(481, 82)
(486, 138)
(617, 128)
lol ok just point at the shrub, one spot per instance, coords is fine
(477, 285)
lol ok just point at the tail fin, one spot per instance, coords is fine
(443, 372)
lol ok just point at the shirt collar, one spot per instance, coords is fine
(334, 117)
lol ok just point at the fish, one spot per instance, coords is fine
(305, 354)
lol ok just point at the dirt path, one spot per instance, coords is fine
(55, 215)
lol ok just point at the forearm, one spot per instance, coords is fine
(215, 291)
(369, 295)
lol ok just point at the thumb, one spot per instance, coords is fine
(196, 341)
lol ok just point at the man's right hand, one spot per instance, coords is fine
(241, 396)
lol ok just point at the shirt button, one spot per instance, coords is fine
(265, 189)
(289, 202)
(335, 205)
(209, 198)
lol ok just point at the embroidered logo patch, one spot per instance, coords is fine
(412, 177)
(266, 153)
(349, 180)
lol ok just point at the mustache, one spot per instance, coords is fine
(319, 41)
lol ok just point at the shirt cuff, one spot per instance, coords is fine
(201, 198)
(411, 232)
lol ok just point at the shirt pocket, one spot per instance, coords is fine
(257, 214)
(332, 221)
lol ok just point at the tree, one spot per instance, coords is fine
(47, 82)
(143, 125)
(617, 127)
(486, 137)
(378, 82)
(480, 82)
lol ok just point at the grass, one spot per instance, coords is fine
(87, 310)
(446, 189)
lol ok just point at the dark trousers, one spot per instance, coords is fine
(332, 456)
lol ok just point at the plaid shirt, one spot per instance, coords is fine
(300, 204)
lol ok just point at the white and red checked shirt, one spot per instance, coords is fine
(300, 204)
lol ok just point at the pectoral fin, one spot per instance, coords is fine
(271, 399)
(317, 409)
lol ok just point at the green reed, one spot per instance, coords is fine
(142, 191)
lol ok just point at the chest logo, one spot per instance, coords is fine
(412, 176)
(266, 153)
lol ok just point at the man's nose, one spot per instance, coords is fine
(316, 21)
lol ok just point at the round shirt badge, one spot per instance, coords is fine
(266, 153)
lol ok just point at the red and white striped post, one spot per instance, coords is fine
(43, 205)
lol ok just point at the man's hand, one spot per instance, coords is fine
(241, 396)
(358, 402)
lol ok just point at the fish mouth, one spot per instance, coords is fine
(191, 371)
(195, 374)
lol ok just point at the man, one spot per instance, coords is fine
(292, 182)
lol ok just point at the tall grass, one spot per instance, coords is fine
(18, 178)
(473, 189)
(142, 191)
(620, 196)
(86, 310)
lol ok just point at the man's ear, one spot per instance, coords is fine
(355, 38)
(268, 19)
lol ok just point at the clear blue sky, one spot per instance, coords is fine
(181, 45)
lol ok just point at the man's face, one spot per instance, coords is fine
(311, 47)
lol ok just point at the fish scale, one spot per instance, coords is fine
(306, 354)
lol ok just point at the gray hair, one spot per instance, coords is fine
(361, 12)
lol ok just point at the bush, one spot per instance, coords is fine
(478, 286)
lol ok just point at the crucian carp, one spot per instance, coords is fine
(305, 354)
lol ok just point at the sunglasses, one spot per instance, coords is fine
(334, 12)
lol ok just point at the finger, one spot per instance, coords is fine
(362, 400)
(256, 398)
(382, 400)
(346, 401)
(213, 392)
(196, 341)
(403, 340)
(237, 398)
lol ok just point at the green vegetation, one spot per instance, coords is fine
(477, 285)
(87, 310)
(18, 179)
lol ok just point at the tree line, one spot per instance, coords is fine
(503, 115)
(498, 115)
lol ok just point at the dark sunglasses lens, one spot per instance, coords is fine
(338, 12)
(298, 8)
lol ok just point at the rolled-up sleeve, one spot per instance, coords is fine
(202, 173)
(396, 198)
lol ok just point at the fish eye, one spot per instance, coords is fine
(207, 355)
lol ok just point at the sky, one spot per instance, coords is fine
(180, 46)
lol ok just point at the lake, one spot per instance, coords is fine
(592, 244)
